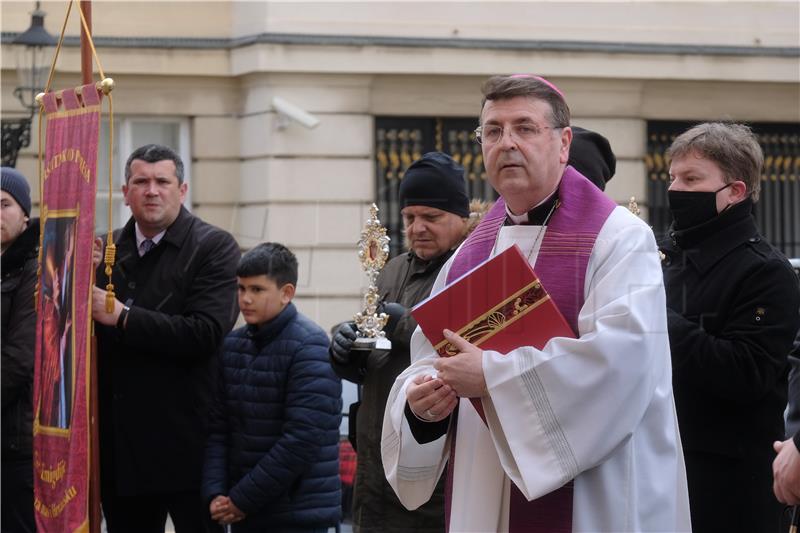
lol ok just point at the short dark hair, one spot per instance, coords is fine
(505, 87)
(153, 153)
(271, 259)
(733, 147)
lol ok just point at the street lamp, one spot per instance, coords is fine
(32, 70)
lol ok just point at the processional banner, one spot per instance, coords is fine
(61, 449)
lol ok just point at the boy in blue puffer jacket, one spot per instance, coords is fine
(272, 461)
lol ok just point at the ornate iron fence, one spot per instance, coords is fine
(400, 141)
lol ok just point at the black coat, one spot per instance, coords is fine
(274, 443)
(406, 280)
(18, 336)
(732, 303)
(155, 376)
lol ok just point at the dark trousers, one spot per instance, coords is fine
(16, 507)
(732, 495)
(147, 513)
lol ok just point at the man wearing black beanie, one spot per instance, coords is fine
(435, 209)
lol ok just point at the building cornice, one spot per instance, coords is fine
(200, 43)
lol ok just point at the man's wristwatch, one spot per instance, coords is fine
(122, 316)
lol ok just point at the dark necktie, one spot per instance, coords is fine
(146, 246)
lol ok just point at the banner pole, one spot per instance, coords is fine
(86, 52)
(94, 442)
(94, 467)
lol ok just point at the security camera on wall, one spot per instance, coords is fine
(287, 111)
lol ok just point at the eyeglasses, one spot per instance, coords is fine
(524, 131)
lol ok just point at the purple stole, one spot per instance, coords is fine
(561, 266)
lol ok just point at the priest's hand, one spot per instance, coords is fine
(430, 399)
(786, 472)
(463, 372)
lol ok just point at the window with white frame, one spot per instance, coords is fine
(129, 134)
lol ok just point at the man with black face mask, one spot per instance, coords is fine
(732, 302)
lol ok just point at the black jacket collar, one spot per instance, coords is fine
(23, 248)
(706, 244)
(268, 332)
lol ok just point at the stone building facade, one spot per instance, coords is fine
(202, 76)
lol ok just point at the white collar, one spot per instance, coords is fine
(140, 238)
(520, 219)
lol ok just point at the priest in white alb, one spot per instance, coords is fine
(580, 435)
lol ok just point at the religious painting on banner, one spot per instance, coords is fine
(63, 330)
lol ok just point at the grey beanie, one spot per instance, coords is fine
(15, 184)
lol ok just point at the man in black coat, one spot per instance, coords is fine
(175, 284)
(732, 303)
(20, 245)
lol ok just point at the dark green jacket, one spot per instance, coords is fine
(406, 280)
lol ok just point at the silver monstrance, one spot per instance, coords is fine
(373, 250)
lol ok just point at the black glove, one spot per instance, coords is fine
(342, 342)
(395, 312)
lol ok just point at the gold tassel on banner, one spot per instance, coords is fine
(111, 252)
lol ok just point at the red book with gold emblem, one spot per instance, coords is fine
(499, 305)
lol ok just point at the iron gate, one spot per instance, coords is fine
(400, 141)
